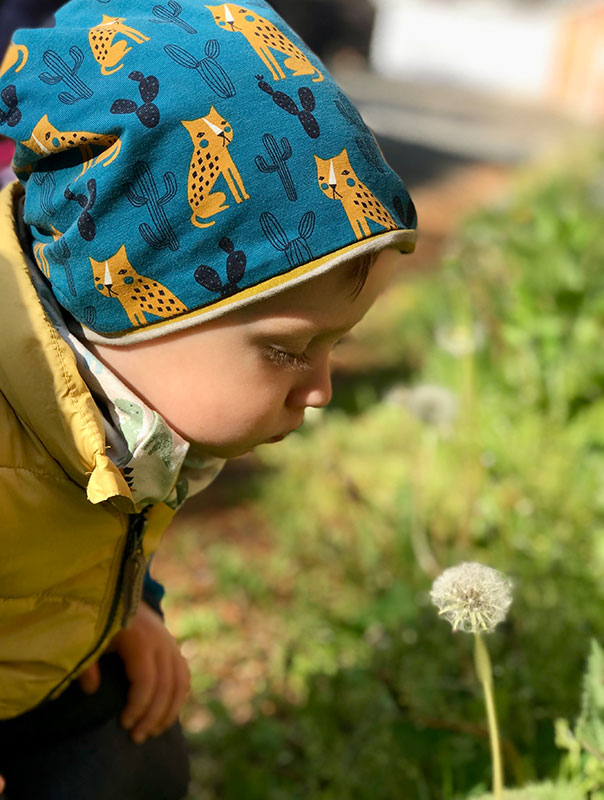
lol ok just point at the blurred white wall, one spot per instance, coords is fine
(495, 46)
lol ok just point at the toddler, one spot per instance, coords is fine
(200, 215)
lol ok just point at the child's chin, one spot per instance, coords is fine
(204, 450)
(233, 450)
(275, 439)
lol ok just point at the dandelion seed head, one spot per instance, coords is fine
(473, 597)
(432, 405)
(461, 340)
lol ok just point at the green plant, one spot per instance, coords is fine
(584, 761)
(321, 672)
(541, 791)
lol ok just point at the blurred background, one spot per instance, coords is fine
(467, 424)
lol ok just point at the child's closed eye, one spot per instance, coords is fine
(296, 359)
(283, 358)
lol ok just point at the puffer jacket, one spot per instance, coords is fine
(73, 549)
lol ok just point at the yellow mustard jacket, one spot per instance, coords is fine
(71, 542)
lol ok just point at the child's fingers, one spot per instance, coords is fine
(2, 784)
(162, 696)
(141, 673)
(90, 679)
(182, 682)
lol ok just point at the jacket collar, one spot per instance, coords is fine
(39, 376)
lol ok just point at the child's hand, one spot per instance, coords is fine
(158, 674)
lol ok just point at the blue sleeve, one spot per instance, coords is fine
(153, 593)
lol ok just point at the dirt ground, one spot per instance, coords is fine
(443, 202)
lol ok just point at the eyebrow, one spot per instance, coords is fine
(302, 329)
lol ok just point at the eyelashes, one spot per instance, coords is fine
(281, 358)
(295, 361)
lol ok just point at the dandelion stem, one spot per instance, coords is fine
(485, 676)
(419, 540)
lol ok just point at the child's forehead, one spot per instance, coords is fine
(326, 301)
(301, 324)
(322, 296)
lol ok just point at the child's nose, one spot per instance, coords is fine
(314, 389)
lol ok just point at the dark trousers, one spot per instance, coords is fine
(74, 748)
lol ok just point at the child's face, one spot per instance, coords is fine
(246, 378)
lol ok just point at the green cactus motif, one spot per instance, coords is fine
(61, 71)
(47, 183)
(60, 253)
(296, 250)
(163, 15)
(207, 68)
(90, 315)
(143, 192)
(365, 141)
(280, 157)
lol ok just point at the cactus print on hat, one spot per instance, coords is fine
(182, 159)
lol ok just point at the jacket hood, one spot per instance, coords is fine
(183, 159)
(39, 375)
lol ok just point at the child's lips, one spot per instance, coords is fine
(280, 437)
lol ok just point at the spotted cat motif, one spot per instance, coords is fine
(139, 295)
(46, 139)
(264, 37)
(211, 136)
(105, 50)
(338, 181)
(11, 58)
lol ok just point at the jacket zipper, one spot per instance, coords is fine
(134, 569)
(130, 578)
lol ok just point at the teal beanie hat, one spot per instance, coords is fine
(182, 159)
